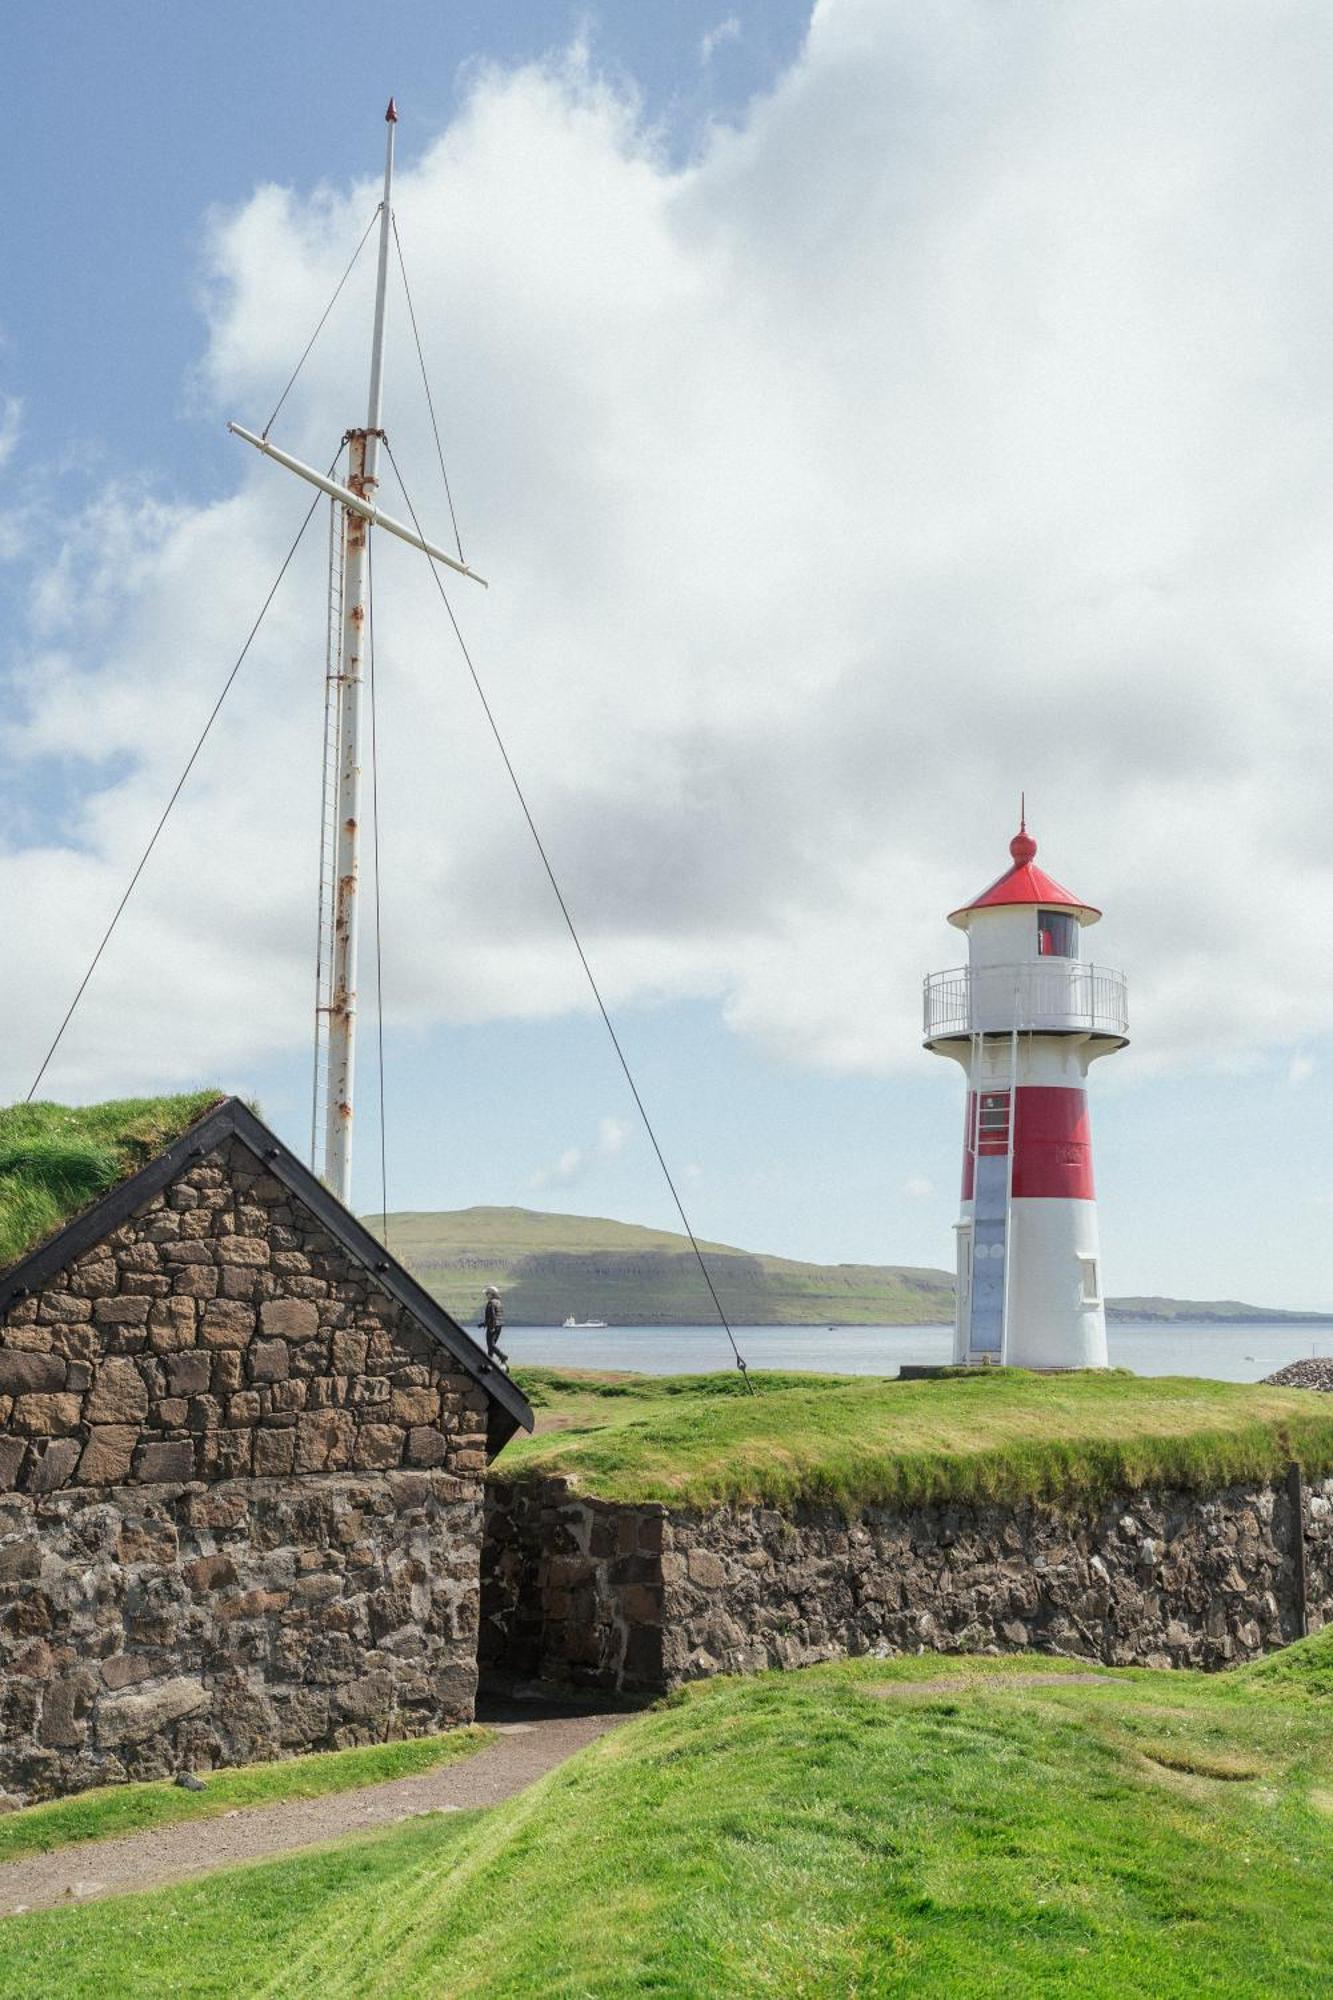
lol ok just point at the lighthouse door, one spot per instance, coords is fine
(989, 1219)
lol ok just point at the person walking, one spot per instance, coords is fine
(492, 1320)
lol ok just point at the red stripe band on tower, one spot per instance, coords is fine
(1052, 1141)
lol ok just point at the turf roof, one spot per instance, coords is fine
(55, 1159)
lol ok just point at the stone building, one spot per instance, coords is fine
(242, 1455)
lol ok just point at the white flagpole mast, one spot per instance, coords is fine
(362, 479)
(360, 514)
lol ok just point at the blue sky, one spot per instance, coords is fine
(842, 466)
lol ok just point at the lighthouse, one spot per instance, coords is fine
(1026, 1017)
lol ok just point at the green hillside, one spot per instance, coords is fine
(552, 1267)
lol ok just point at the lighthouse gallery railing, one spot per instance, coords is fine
(1051, 995)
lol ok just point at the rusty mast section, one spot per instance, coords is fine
(359, 515)
(362, 479)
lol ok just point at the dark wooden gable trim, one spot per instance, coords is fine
(232, 1120)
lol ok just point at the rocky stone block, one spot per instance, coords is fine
(214, 1572)
(414, 1406)
(164, 1463)
(63, 1306)
(20, 1561)
(118, 1395)
(324, 1440)
(22, 1373)
(249, 1251)
(107, 1456)
(349, 1353)
(65, 1709)
(189, 1373)
(274, 1453)
(190, 1250)
(50, 1464)
(46, 1415)
(269, 1361)
(426, 1446)
(289, 1319)
(131, 1718)
(172, 1324)
(225, 1454)
(378, 1446)
(95, 1277)
(227, 1323)
(198, 1281)
(228, 1372)
(121, 1311)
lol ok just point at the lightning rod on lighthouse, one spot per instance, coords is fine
(1026, 1018)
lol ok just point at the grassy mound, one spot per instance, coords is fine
(1305, 1668)
(858, 1441)
(56, 1158)
(973, 1828)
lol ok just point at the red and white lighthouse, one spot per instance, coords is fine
(1026, 1017)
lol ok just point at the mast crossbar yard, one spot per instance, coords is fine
(359, 515)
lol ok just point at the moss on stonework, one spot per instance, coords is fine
(57, 1158)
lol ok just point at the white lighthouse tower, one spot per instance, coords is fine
(1026, 1017)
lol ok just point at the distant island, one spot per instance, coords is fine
(554, 1267)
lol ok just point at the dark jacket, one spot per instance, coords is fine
(494, 1319)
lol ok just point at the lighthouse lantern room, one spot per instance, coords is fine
(1026, 1017)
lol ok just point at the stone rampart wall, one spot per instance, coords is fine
(639, 1598)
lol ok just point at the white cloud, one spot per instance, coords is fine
(574, 1163)
(1300, 1070)
(917, 1188)
(715, 38)
(612, 1136)
(11, 416)
(948, 428)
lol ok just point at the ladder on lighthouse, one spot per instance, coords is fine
(993, 1120)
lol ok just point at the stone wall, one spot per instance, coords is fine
(240, 1497)
(644, 1598)
(148, 1629)
(571, 1590)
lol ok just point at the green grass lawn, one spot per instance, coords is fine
(110, 1810)
(56, 1158)
(853, 1441)
(924, 1825)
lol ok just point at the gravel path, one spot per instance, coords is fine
(992, 1683)
(532, 1741)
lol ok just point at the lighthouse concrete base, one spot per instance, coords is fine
(1053, 1316)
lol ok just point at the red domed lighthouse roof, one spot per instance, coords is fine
(1025, 883)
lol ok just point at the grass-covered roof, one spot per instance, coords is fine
(57, 1158)
(855, 1441)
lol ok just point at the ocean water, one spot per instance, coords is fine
(1240, 1351)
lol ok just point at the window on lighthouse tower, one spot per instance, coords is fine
(1057, 934)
